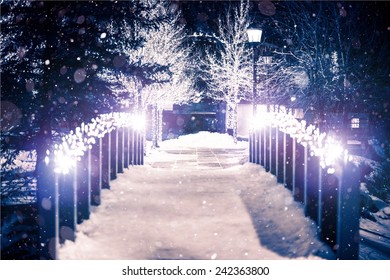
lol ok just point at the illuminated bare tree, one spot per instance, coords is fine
(156, 63)
(228, 71)
(165, 46)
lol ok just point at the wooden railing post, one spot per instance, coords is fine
(349, 213)
(320, 203)
(255, 146)
(258, 146)
(280, 156)
(284, 158)
(312, 186)
(267, 146)
(293, 164)
(251, 146)
(106, 160)
(255, 143)
(276, 154)
(114, 154)
(96, 172)
(137, 147)
(289, 162)
(132, 138)
(339, 212)
(120, 135)
(273, 150)
(328, 222)
(142, 147)
(83, 187)
(299, 176)
(262, 146)
(130, 132)
(46, 202)
(305, 178)
(67, 190)
(126, 147)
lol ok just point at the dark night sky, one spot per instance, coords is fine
(201, 16)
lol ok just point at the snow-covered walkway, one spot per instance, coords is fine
(196, 198)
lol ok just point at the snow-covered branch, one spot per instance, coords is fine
(227, 68)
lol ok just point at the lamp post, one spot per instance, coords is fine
(254, 38)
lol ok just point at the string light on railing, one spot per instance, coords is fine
(64, 161)
(258, 121)
(326, 147)
(331, 152)
(77, 142)
(47, 157)
(138, 122)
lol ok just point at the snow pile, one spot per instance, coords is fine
(204, 139)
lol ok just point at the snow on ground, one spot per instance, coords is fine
(197, 198)
(204, 139)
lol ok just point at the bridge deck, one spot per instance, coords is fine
(195, 203)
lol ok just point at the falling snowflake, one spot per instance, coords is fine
(267, 8)
(79, 75)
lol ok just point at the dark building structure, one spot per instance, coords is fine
(191, 118)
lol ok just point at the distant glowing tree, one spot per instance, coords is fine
(227, 69)
(155, 63)
(165, 46)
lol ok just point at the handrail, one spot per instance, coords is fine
(75, 144)
(81, 166)
(321, 144)
(319, 172)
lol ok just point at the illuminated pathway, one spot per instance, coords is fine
(200, 158)
(195, 202)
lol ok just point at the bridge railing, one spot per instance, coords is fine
(82, 165)
(321, 174)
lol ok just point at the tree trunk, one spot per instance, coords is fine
(229, 116)
(155, 126)
(160, 124)
(235, 123)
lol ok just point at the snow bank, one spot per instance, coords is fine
(204, 139)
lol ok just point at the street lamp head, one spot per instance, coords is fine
(254, 34)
